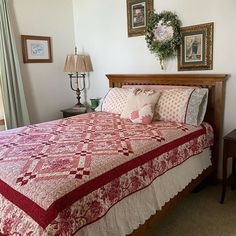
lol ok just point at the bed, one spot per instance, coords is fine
(214, 115)
(64, 177)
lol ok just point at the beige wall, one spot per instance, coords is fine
(46, 85)
(101, 30)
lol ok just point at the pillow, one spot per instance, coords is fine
(99, 107)
(172, 105)
(143, 115)
(197, 106)
(194, 110)
(182, 105)
(115, 100)
(137, 99)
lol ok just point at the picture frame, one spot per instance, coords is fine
(137, 16)
(196, 49)
(36, 49)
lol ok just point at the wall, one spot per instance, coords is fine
(46, 85)
(101, 30)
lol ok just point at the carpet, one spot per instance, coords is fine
(201, 214)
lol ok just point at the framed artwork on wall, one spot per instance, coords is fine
(137, 16)
(196, 49)
(36, 49)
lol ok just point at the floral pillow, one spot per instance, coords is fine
(143, 115)
(137, 99)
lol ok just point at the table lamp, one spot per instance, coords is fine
(77, 65)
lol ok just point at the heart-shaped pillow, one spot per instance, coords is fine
(143, 115)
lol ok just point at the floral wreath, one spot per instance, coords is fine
(163, 34)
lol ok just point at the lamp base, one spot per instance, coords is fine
(80, 108)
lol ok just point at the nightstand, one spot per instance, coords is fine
(71, 112)
(229, 151)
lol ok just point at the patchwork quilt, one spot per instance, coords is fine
(60, 176)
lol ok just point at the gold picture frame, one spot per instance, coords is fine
(137, 16)
(196, 49)
(36, 49)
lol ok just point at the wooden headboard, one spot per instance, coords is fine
(214, 82)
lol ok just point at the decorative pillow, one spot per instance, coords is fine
(197, 106)
(172, 105)
(190, 110)
(143, 115)
(137, 99)
(115, 100)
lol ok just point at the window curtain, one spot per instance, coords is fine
(1, 108)
(15, 109)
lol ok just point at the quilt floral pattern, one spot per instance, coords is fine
(59, 176)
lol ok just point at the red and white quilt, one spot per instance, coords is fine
(60, 176)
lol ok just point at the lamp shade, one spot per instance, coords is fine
(78, 63)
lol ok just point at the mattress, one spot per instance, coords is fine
(56, 178)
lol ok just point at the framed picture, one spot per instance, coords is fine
(196, 49)
(36, 49)
(137, 16)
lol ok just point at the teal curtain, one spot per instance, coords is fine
(16, 113)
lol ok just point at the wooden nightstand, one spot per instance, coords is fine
(71, 112)
(228, 152)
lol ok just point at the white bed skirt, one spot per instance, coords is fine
(128, 214)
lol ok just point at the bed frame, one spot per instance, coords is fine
(214, 115)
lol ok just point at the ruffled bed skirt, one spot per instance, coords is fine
(126, 216)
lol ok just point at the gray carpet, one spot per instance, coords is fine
(201, 214)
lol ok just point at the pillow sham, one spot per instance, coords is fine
(137, 99)
(182, 105)
(197, 106)
(143, 115)
(115, 100)
(172, 105)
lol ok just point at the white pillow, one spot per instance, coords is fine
(115, 100)
(137, 99)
